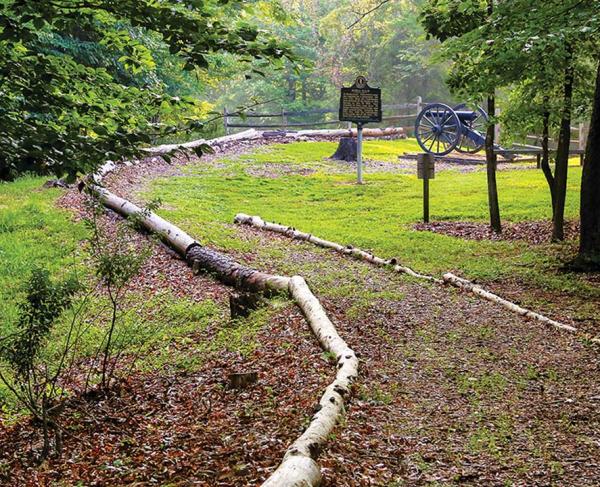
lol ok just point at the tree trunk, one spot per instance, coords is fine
(490, 156)
(491, 159)
(346, 150)
(562, 155)
(589, 243)
(546, 154)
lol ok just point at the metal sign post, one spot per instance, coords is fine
(359, 140)
(360, 104)
(425, 171)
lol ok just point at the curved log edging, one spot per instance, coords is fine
(258, 222)
(298, 467)
(448, 278)
(479, 291)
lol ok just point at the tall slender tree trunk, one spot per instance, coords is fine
(589, 243)
(546, 153)
(562, 154)
(491, 159)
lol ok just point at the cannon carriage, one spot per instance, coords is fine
(440, 129)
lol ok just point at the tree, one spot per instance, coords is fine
(388, 46)
(27, 368)
(491, 158)
(448, 19)
(589, 243)
(64, 112)
(538, 42)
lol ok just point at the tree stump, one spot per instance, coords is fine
(242, 304)
(346, 150)
(240, 380)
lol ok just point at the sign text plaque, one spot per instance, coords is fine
(360, 103)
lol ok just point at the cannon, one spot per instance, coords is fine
(440, 129)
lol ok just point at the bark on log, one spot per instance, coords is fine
(469, 286)
(449, 278)
(258, 222)
(367, 132)
(232, 273)
(245, 135)
(346, 150)
(299, 466)
(175, 237)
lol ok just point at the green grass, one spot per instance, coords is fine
(376, 216)
(315, 152)
(164, 330)
(33, 232)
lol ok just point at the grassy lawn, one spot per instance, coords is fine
(172, 331)
(33, 232)
(378, 215)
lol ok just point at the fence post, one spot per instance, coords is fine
(419, 104)
(497, 128)
(582, 139)
(226, 120)
(284, 119)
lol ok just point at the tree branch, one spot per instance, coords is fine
(364, 14)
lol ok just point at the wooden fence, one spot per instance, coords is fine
(580, 130)
(402, 114)
(290, 120)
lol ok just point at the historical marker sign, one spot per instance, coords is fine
(360, 103)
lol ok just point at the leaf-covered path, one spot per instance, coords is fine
(452, 389)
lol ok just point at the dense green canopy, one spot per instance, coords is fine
(83, 81)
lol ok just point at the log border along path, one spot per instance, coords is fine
(298, 467)
(448, 278)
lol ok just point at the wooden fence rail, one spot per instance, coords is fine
(244, 120)
(230, 119)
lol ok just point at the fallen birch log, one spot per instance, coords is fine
(367, 132)
(250, 134)
(449, 278)
(479, 291)
(253, 134)
(298, 467)
(258, 222)
(299, 463)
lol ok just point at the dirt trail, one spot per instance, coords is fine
(453, 389)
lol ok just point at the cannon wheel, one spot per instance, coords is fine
(466, 145)
(438, 129)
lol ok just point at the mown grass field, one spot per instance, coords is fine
(378, 215)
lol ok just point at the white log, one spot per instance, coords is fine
(298, 467)
(245, 135)
(351, 132)
(177, 238)
(258, 222)
(479, 291)
(449, 278)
